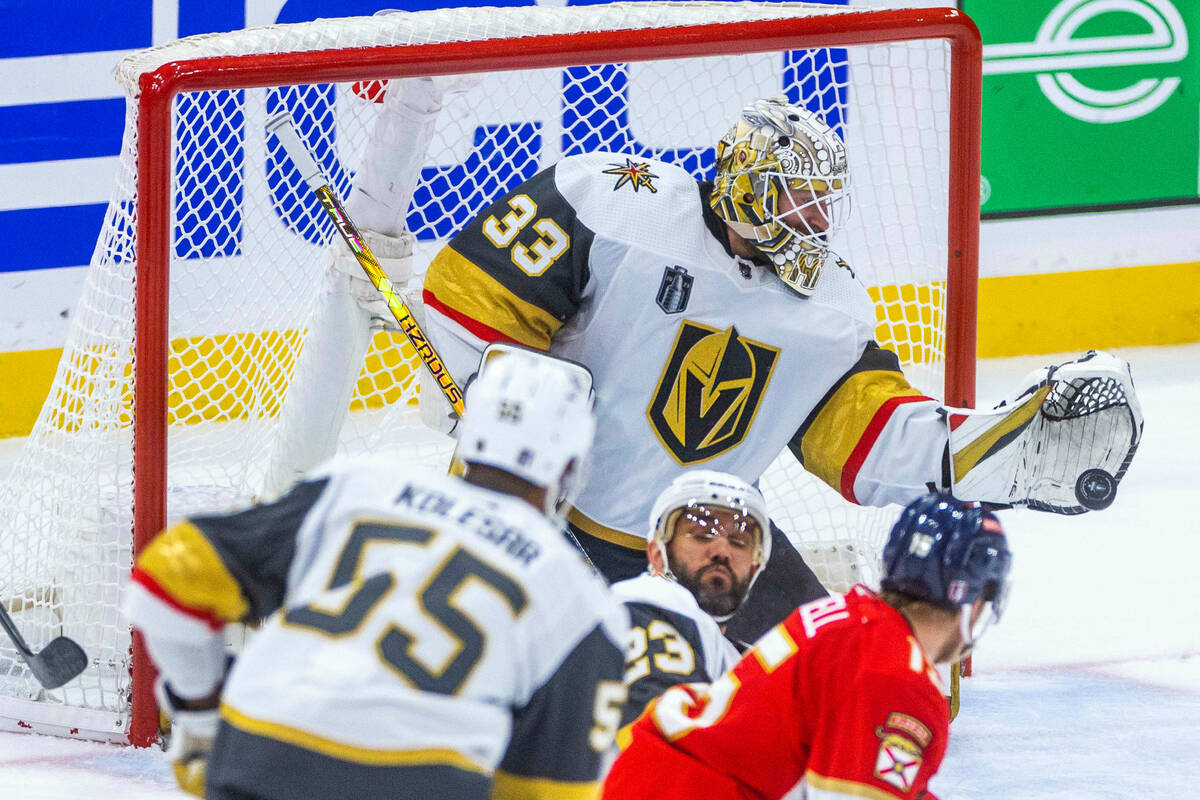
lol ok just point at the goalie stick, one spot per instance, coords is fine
(55, 664)
(281, 126)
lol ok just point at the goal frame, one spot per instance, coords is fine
(154, 130)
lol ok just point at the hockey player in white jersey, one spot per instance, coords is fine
(426, 636)
(721, 329)
(710, 538)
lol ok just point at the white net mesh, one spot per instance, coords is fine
(249, 247)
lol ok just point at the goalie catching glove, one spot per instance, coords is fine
(1062, 445)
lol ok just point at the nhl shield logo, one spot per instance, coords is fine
(709, 391)
(675, 290)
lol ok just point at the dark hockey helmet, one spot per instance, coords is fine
(949, 554)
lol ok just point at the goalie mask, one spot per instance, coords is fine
(530, 414)
(948, 554)
(782, 184)
(709, 504)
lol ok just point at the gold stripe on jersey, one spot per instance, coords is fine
(347, 752)
(625, 736)
(458, 283)
(507, 786)
(828, 788)
(183, 562)
(843, 419)
(966, 459)
(610, 535)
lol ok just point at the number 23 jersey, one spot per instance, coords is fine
(839, 694)
(671, 640)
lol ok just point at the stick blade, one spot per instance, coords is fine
(57, 662)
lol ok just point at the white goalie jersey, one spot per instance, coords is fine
(699, 357)
(421, 634)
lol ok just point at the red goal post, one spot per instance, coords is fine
(144, 225)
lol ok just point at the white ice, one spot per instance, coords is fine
(1088, 689)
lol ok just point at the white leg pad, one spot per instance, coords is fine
(318, 397)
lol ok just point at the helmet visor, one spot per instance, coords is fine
(706, 522)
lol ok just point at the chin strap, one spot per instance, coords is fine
(970, 636)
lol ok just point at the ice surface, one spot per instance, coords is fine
(1088, 689)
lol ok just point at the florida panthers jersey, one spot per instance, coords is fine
(424, 638)
(699, 357)
(840, 694)
(671, 640)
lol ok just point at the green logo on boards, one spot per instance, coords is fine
(1088, 102)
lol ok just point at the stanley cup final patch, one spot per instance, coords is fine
(675, 290)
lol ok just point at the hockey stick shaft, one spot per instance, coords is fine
(281, 126)
(58, 662)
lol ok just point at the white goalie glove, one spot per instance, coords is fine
(1062, 444)
(385, 184)
(394, 254)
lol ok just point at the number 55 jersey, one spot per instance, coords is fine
(424, 638)
(839, 695)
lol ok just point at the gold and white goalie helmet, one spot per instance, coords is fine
(782, 184)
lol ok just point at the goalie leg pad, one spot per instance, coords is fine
(1062, 445)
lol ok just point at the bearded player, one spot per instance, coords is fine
(709, 541)
(843, 694)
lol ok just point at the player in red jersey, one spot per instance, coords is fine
(843, 693)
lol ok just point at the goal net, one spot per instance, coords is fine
(170, 395)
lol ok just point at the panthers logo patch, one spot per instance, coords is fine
(709, 391)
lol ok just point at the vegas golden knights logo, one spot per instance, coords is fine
(709, 391)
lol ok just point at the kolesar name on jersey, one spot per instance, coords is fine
(478, 521)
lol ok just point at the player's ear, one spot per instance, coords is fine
(654, 556)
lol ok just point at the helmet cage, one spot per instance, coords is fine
(782, 184)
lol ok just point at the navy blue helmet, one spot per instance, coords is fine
(947, 553)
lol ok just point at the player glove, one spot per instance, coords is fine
(191, 739)
(1062, 444)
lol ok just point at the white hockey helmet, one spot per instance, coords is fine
(530, 414)
(782, 184)
(710, 489)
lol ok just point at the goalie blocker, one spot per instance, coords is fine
(1062, 444)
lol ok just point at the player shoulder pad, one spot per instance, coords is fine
(839, 287)
(378, 472)
(657, 591)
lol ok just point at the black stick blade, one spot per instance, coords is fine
(57, 662)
